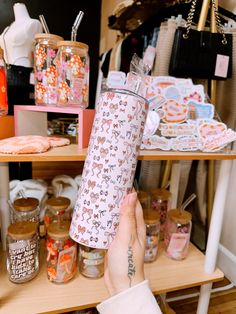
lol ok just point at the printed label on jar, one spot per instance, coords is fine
(92, 255)
(21, 263)
(178, 244)
(65, 266)
(93, 262)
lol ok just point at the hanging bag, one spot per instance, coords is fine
(201, 54)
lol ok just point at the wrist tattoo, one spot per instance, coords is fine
(131, 266)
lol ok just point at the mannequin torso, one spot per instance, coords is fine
(17, 39)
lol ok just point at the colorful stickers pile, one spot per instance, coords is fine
(180, 119)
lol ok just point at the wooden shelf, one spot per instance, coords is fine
(41, 296)
(73, 153)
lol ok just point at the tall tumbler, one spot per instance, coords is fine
(109, 167)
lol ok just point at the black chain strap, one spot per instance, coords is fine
(219, 25)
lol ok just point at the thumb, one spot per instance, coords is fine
(127, 225)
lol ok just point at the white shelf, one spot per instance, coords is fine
(42, 296)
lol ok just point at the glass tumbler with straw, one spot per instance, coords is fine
(178, 231)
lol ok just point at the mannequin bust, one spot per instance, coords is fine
(17, 39)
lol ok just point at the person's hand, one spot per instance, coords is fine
(124, 262)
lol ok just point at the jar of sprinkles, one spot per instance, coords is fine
(160, 201)
(152, 221)
(177, 233)
(22, 251)
(61, 253)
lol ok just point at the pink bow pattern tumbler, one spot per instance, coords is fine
(109, 167)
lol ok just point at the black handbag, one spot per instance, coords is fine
(201, 54)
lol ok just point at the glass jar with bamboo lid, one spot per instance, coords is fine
(57, 210)
(73, 74)
(25, 209)
(61, 253)
(22, 251)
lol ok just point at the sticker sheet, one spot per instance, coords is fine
(183, 120)
(109, 167)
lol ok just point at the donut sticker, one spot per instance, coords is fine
(174, 111)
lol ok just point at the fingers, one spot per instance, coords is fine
(127, 226)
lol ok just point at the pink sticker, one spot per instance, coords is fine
(109, 167)
(211, 129)
(174, 111)
(222, 64)
(178, 244)
(175, 129)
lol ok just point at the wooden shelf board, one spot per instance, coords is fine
(41, 296)
(73, 153)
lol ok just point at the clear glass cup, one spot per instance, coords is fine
(73, 74)
(45, 71)
(61, 253)
(152, 221)
(57, 210)
(177, 233)
(22, 251)
(91, 261)
(160, 201)
(25, 209)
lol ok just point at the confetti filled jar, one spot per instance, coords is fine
(160, 201)
(22, 251)
(177, 233)
(57, 210)
(152, 221)
(91, 262)
(73, 74)
(45, 71)
(25, 209)
(61, 253)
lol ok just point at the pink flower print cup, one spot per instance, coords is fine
(109, 167)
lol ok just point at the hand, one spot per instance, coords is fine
(124, 261)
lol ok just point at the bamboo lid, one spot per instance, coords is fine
(48, 36)
(70, 43)
(58, 203)
(59, 230)
(22, 230)
(160, 194)
(25, 204)
(179, 217)
(1, 53)
(151, 216)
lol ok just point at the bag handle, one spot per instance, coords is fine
(219, 26)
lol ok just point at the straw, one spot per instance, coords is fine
(187, 202)
(44, 24)
(76, 25)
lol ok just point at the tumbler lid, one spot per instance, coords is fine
(77, 44)
(161, 194)
(58, 203)
(59, 230)
(22, 230)
(48, 36)
(179, 216)
(25, 204)
(151, 216)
